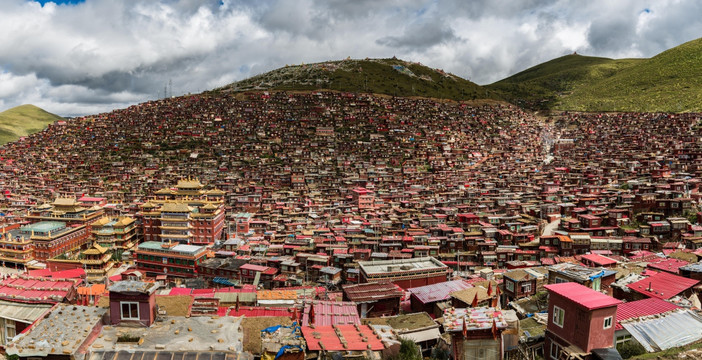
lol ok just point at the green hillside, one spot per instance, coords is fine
(381, 76)
(541, 86)
(670, 81)
(22, 121)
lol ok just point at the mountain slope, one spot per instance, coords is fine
(540, 86)
(23, 120)
(381, 76)
(670, 81)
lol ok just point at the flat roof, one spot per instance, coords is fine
(178, 333)
(187, 249)
(399, 265)
(62, 332)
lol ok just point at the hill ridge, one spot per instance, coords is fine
(391, 76)
(670, 81)
(24, 120)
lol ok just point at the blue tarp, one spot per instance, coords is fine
(223, 281)
(271, 329)
(282, 350)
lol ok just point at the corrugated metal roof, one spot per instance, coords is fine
(357, 337)
(372, 291)
(670, 265)
(582, 295)
(328, 313)
(438, 292)
(26, 313)
(639, 308)
(678, 328)
(662, 285)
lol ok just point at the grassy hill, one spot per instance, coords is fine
(669, 82)
(22, 121)
(380, 76)
(541, 86)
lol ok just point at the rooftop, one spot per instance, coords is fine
(644, 307)
(582, 295)
(438, 292)
(342, 338)
(176, 333)
(134, 286)
(63, 331)
(400, 265)
(179, 248)
(370, 292)
(662, 285)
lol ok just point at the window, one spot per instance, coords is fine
(558, 316)
(130, 310)
(526, 287)
(623, 338)
(10, 330)
(555, 350)
(607, 322)
(509, 286)
(561, 280)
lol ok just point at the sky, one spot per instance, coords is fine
(79, 57)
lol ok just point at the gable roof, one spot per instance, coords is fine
(639, 308)
(370, 292)
(582, 295)
(662, 285)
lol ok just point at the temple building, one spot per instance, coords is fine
(53, 238)
(67, 210)
(188, 214)
(15, 249)
(115, 233)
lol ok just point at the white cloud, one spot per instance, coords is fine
(103, 54)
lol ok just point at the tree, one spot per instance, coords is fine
(630, 349)
(408, 351)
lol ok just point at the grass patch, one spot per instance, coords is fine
(695, 352)
(22, 121)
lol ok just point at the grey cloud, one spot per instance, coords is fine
(103, 54)
(420, 37)
(611, 35)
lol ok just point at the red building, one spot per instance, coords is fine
(375, 299)
(133, 302)
(406, 273)
(53, 238)
(171, 259)
(248, 274)
(579, 320)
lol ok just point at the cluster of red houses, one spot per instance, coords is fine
(352, 221)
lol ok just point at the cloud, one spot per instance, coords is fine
(93, 56)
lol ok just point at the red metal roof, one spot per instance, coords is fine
(598, 259)
(438, 292)
(327, 313)
(37, 290)
(645, 307)
(326, 337)
(669, 265)
(370, 292)
(582, 295)
(662, 285)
